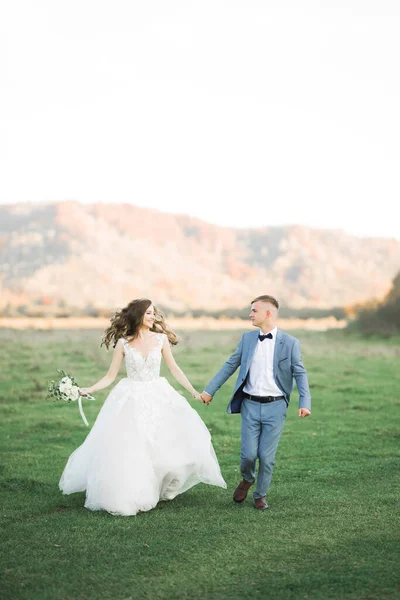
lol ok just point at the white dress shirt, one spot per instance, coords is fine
(260, 380)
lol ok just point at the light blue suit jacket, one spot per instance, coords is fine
(288, 365)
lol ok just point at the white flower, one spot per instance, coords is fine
(66, 380)
(74, 393)
(65, 387)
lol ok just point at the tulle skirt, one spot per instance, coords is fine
(147, 444)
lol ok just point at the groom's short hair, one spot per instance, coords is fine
(267, 298)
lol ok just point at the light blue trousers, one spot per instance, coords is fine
(262, 425)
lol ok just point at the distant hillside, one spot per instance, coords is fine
(104, 255)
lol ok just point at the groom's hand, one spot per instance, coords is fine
(304, 412)
(206, 398)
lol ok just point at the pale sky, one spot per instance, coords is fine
(240, 112)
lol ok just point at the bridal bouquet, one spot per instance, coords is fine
(67, 390)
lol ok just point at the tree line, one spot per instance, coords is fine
(375, 316)
(380, 316)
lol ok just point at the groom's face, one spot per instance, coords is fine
(259, 313)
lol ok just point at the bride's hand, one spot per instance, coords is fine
(196, 396)
(85, 391)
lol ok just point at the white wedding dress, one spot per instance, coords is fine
(147, 444)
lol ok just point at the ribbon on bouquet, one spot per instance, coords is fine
(84, 419)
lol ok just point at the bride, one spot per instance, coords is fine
(148, 443)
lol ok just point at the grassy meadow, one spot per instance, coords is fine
(332, 529)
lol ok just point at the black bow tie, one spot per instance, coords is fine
(267, 335)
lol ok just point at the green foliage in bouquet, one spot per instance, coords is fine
(66, 389)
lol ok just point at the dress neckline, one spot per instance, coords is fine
(145, 358)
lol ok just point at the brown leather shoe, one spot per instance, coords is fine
(260, 504)
(240, 494)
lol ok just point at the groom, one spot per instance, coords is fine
(269, 359)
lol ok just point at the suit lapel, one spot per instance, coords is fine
(277, 349)
(253, 339)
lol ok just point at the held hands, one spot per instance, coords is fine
(304, 412)
(206, 398)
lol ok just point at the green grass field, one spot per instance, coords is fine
(331, 531)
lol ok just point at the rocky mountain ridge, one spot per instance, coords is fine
(106, 254)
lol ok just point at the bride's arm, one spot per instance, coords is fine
(111, 374)
(176, 370)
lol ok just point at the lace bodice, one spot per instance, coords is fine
(139, 367)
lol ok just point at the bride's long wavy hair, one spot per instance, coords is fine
(125, 323)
